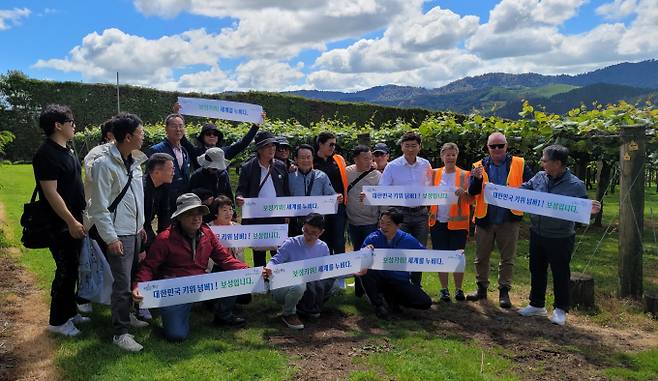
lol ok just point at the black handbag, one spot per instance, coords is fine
(37, 223)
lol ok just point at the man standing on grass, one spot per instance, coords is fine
(59, 182)
(116, 210)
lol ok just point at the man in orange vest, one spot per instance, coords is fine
(449, 223)
(334, 165)
(494, 224)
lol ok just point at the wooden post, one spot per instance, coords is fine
(581, 291)
(602, 182)
(631, 210)
(651, 304)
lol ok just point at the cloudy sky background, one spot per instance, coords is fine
(348, 45)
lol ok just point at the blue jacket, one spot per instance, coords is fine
(566, 185)
(181, 173)
(402, 240)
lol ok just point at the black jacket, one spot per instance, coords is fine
(230, 151)
(156, 203)
(218, 183)
(249, 182)
(475, 188)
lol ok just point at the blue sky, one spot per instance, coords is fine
(347, 45)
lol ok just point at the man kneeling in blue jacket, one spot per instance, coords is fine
(388, 290)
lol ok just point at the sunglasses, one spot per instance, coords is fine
(497, 146)
(209, 133)
(378, 154)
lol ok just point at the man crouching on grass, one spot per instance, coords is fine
(183, 249)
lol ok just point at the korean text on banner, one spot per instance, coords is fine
(410, 196)
(197, 288)
(445, 261)
(266, 235)
(227, 110)
(288, 206)
(540, 203)
(330, 266)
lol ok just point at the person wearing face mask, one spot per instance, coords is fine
(552, 240)
(449, 224)
(493, 224)
(306, 181)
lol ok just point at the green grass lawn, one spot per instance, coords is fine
(413, 352)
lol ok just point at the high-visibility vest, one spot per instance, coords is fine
(342, 165)
(514, 180)
(459, 212)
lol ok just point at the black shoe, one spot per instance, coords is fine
(445, 295)
(480, 293)
(459, 295)
(503, 298)
(382, 312)
(233, 321)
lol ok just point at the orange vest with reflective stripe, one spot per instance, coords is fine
(459, 212)
(342, 165)
(514, 180)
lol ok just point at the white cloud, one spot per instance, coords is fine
(260, 74)
(12, 17)
(617, 9)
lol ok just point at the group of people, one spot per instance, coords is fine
(186, 187)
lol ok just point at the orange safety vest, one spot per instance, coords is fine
(460, 211)
(342, 165)
(514, 180)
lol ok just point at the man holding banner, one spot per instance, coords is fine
(411, 170)
(305, 298)
(496, 225)
(388, 290)
(552, 239)
(262, 176)
(183, 250)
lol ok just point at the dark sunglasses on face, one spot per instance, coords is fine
(497, 146)
(209, 133)
(378, 154)
(282, 148)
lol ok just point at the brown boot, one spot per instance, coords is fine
(480, 293)
(503, 298)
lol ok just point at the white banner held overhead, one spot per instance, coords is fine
(197, 288)
(330, 266)
(409, 196)
(271, 235)
(444, 261)
(288, 206)
(540, 203)
(227, 110)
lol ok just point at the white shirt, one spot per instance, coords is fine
(268, 190)
(447, 180)
(179, 155)
(400, 172)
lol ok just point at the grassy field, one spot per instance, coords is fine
(401, 350)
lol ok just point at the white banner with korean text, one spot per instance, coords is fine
(540, 203)
(227, 110)
(288, 206)
(197, 288)
(266, 235)
(309, 270)
(409, 196)
(445, 261)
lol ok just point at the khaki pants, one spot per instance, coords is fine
(504, 236)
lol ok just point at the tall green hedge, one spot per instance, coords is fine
(21, 99)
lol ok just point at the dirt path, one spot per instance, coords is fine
(26, 350)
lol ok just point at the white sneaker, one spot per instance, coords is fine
(558, 317)
(136, 323)
(79, 319)
(127, 343)
(532, 311)
(85, 308)
(66, 329)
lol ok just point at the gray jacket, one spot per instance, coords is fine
(109, 177)
(566, 185)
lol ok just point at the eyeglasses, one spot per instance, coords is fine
(332, 144)
(497, 146)
(69, 120)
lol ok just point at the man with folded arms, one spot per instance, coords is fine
(183, 249)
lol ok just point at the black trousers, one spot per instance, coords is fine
(66, 253)
(379, 287)
(555, 252)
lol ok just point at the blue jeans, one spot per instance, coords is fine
(176, 319)
(358, 234)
